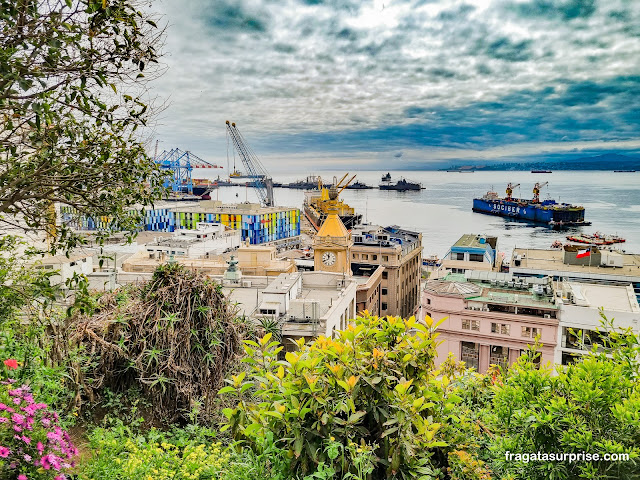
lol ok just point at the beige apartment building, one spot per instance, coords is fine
(400, 253)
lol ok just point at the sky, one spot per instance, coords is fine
(374, 84)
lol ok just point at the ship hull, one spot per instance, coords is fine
(550, 214)
(400, 188)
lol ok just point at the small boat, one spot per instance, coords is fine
(402, 186)
(596, 239)
(624, 171)
(387, 177)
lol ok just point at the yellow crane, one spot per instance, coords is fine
(536, 191)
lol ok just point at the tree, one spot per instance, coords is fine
(72, 98)
(591, 407)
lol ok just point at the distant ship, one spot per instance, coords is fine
(621, 171)
(548, 212)
(310, 183)
(402, 186)
(541, 171)
(358, 186)
(387, 177)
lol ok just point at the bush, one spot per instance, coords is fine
(592, 406)
(32, 443)
(368, 404)
(173, 338)
(120, 454)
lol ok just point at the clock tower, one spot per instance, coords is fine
(332, 246)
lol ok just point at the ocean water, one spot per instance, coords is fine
(442, 211)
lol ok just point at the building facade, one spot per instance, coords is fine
(400, 253)
(491, 319)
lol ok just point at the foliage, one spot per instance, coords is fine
(72, 94)
(120, 454)
(32, 443)
(370, 396)
(173, 338)
(592, 406)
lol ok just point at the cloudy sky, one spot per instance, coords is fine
(316, 82)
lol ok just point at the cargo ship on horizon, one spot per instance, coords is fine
(548, 212)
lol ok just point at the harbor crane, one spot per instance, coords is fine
(179, 164)
(536, 191)
(510, 188)
(261, 180)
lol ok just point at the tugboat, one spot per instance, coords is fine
(402, 186)
(318, 203)
(387, 177)
(548, 212)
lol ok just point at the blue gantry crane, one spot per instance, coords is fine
(179, 164)
(261, 180)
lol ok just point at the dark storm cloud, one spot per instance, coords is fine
(344, 75)
(555, 9)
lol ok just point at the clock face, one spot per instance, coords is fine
(328, 258)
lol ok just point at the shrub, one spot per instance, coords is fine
(173, 338)
(32, 443)
(119, 454)
(592, 406)
(367, 403)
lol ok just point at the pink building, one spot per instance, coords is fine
(490, 318)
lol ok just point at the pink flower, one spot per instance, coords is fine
(4, 452)
(11, 363)
(40, 447)
(22, 476)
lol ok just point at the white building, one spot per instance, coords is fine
(305, 304)
(66, 267)
(581, 305)
(208, 239)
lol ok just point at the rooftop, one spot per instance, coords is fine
(470, 240)
(492, 292)
(366, 234)
(215, 206)
(553, 261)
(609, 297)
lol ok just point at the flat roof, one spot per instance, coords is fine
(616, 298)
(553, 260)
(471, 240)
(232, 208)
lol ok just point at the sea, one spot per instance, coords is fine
(442, 211)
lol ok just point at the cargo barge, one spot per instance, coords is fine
(547, 212)
(318, 204)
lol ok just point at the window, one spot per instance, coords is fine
(353, 255)
(374, 257)
(428, 301)
(470, 354)
(365, 256)
(384, 291)
(468, 324)
(385, 258)
(501, 328)
(385, 275)
(458, 256)
(531, 332)
(475, 257)
(384, 306)
(499, 355)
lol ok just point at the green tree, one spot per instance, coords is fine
(592, 406)
(73, 84)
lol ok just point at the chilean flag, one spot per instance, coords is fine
(583, 253)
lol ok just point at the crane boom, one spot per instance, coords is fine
(261, 179)
(536, 191)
